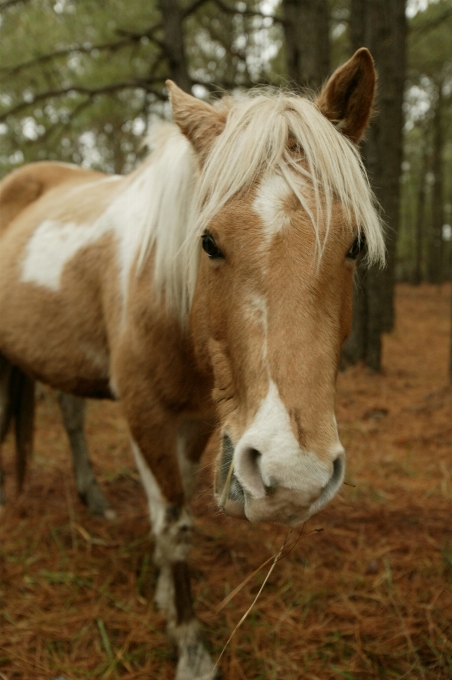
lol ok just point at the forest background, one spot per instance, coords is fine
(366, 592)
(82, 81)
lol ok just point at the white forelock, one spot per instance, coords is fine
(266, 134)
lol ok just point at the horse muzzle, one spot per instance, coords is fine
(245, 491)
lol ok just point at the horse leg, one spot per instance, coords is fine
(73, 410)
(191, 441)
(6, 369)
(172, 527)
(22, 390)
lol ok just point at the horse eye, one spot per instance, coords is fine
(356, 248)
(210, 247)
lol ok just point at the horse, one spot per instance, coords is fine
(17, 404)
(210, 290)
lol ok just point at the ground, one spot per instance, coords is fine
(365, 592)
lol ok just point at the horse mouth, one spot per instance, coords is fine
(230, 494)
(235, 502)
(281, 505)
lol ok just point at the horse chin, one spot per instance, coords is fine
(283, 510)
(265, 510)
(234, 509)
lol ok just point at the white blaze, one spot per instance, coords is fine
(282, 461)
(256, 308)
(270, 204)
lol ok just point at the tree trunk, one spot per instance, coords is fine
(420, 219)
(435, 269)
(450, 351)
(307, 43)
(380, 25)
(174, 43)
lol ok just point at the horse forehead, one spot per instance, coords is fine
(272, 204)
(279, 210)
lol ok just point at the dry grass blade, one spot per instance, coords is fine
(275, 560)
(227, 484)
(277, 556)
(236, 590)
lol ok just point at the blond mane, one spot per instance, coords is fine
(266, 133)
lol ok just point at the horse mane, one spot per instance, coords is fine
(163, 193)
(266, 132)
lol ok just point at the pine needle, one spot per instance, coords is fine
(227, 485)
(275, 560)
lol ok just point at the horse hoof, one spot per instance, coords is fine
(96, 503)
(195, 663)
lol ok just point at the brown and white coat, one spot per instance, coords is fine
(211, 288)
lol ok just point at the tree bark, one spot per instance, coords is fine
(435, 268)
(174, 43)
(380, 25)
(450, 351)
(420, 219)
(307, 43)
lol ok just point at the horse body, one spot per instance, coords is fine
(63, 316)
(69, 281)
(105, 291)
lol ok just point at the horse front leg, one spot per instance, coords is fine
(156, 448)
(73, 410)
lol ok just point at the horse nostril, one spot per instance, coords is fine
(254, 455)
(250, 470)
(338, 469)
(335, 480)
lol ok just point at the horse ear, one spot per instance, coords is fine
(198, 121)
(346, 99)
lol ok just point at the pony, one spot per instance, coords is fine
(17, 404)
(209, 290)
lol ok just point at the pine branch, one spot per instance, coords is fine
(131, 38)
(10, 3)
(193, 7)
(138, 83)
(429, 25)
(245, 12)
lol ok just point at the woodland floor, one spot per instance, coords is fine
(369, 596)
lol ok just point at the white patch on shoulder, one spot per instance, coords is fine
(269, 204)
(282, 461)
(138, 216)
(54, 244)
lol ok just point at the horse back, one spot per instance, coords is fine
(23, 187)
(51, 302)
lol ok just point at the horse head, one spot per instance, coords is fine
(284, 209)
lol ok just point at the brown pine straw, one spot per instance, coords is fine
(227, 484)
(245, 615)
(370, 597)
(277, 557)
